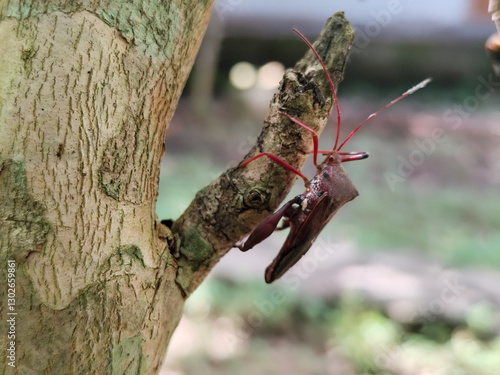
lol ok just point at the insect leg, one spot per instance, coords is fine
(266, 228)
(283, 163)
(351, 156)
(347, 156)
(314, 134)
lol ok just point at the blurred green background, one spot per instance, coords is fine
(410, 280)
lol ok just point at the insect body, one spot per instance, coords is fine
(307, 214)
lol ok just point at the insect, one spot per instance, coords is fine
(308, 213)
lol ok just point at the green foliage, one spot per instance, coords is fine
(308, 336)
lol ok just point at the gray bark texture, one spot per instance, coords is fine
(87, 90)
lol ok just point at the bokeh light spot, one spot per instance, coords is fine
(243, 75)
(269, 75)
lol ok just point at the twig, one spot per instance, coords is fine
(231, 206)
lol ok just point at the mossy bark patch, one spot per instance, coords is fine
(127, 354)
(23, 227)
(196, 248)
(143, 24)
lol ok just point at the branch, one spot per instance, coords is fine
(231, 206)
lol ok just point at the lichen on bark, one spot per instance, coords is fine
(21, 215)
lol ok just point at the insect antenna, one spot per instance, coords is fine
(404, 95)
(329, 79)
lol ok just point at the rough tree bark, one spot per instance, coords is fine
(87, 89)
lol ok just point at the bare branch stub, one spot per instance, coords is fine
(226, 210)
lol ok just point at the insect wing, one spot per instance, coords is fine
(300, 238)
(265, 229)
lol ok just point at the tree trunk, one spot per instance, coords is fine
(87, 90)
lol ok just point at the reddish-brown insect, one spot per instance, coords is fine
(307, 214)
